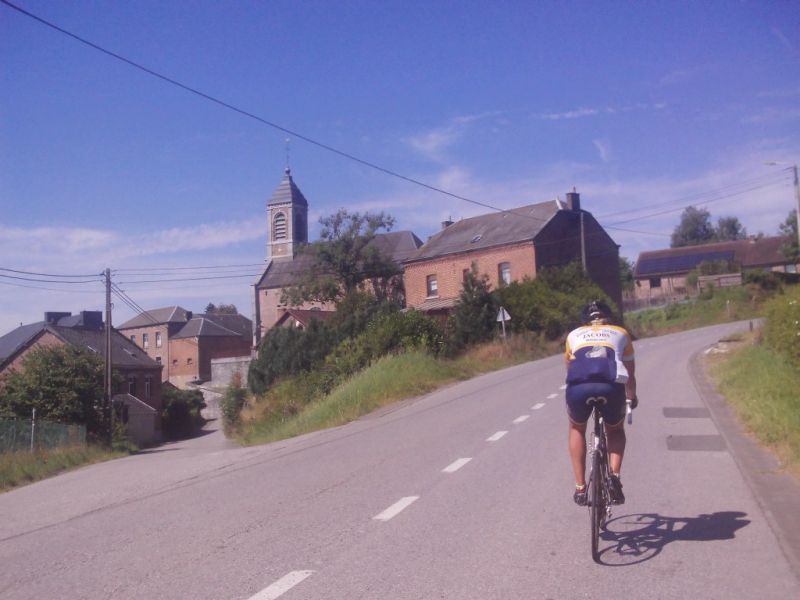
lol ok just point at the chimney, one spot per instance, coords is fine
(52, 318)
(91, 319)
(446, 224)
(189, 315)
(574, 201)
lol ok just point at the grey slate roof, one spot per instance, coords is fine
(124, 353)
(287, 192)
(16, 338)
(494, 229)
(202, 327)
(169, 314)
(284, 272)
(750, 254)
(236, 323)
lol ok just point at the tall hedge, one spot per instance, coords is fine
(782, 325)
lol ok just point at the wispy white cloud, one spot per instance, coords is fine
(790, 93)
(681, 76)
(604, 147)
(433, 144)
(782, 38)
(774, 115)
(593, 112)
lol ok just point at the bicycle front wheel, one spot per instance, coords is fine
(596, 504)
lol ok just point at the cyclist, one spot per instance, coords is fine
(600, 365)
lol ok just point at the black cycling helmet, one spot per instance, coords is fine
(595, 310)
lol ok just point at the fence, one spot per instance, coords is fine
(21, 435)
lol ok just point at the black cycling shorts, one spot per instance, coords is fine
(613, 410)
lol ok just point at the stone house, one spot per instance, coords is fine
(662, 273)
(509, 246)
(185, 343)
(140, 374)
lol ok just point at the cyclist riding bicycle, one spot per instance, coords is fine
(600, 367)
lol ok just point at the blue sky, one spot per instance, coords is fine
(644, 107)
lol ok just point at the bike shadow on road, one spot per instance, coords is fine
(641, 537)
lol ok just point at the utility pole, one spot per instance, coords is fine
(796, 194)
(108, 409)
(583, 245)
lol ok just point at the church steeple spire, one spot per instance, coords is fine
(287, 218)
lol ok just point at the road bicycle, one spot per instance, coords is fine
(597, 491)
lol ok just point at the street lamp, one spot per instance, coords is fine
(796, 193)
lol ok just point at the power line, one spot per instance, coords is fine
(48, 274)
(249, 114)
(48, 280)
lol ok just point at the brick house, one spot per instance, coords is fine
(287, 227)
(186, 343)
(662, 273)
(509, 246)
(140, 374)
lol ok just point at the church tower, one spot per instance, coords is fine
(287, 219)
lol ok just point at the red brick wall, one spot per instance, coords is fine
(270, 308)
(152, 350)
(449, 270)
(47, 339)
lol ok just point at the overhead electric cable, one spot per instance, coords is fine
(48, 280)
(253, 116)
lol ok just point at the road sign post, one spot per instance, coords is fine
(503, 316)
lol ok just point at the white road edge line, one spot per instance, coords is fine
(496, 436)
(395, 508)
(283, 585)
(551, 396)
(521, 418)
(538, 406)
(456, 465)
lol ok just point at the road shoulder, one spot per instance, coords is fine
(777, 493)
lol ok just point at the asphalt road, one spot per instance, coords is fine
(464, 493)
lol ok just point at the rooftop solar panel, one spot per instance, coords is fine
(678, 264)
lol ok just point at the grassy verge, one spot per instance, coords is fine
(761, 386)
(276, 416)
(719, 306)
(21, 468)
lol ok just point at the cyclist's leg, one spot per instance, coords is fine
(613, 412)
(578, 413)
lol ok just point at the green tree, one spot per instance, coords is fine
(222, 309)
(344, 258)
(729, 229)
(694, 228)
(63, 383)
(789, 227)
(626, 274)
(473, 318)
(181, 411)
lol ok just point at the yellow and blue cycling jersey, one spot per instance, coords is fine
(598, 353)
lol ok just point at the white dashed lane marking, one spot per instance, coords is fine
(496, 436)
(563, 387)
(396, 508)
(283, 585)
(538, 406)
(551, 396)
(456, 465)
(521, 419)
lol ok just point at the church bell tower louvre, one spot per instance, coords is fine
(287, 219)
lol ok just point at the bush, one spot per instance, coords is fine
(782, 325)
(181, 412)
(473, 318)
(551, 303)
(232, 403)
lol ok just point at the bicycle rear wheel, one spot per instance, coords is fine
(596, 505)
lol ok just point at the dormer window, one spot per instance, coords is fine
(279, 227)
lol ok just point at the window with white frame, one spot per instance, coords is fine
(158, 339)
(132, 385)
(145, 341)
(504, 273)
(148, 386)
(133, 338)
(432, 286)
